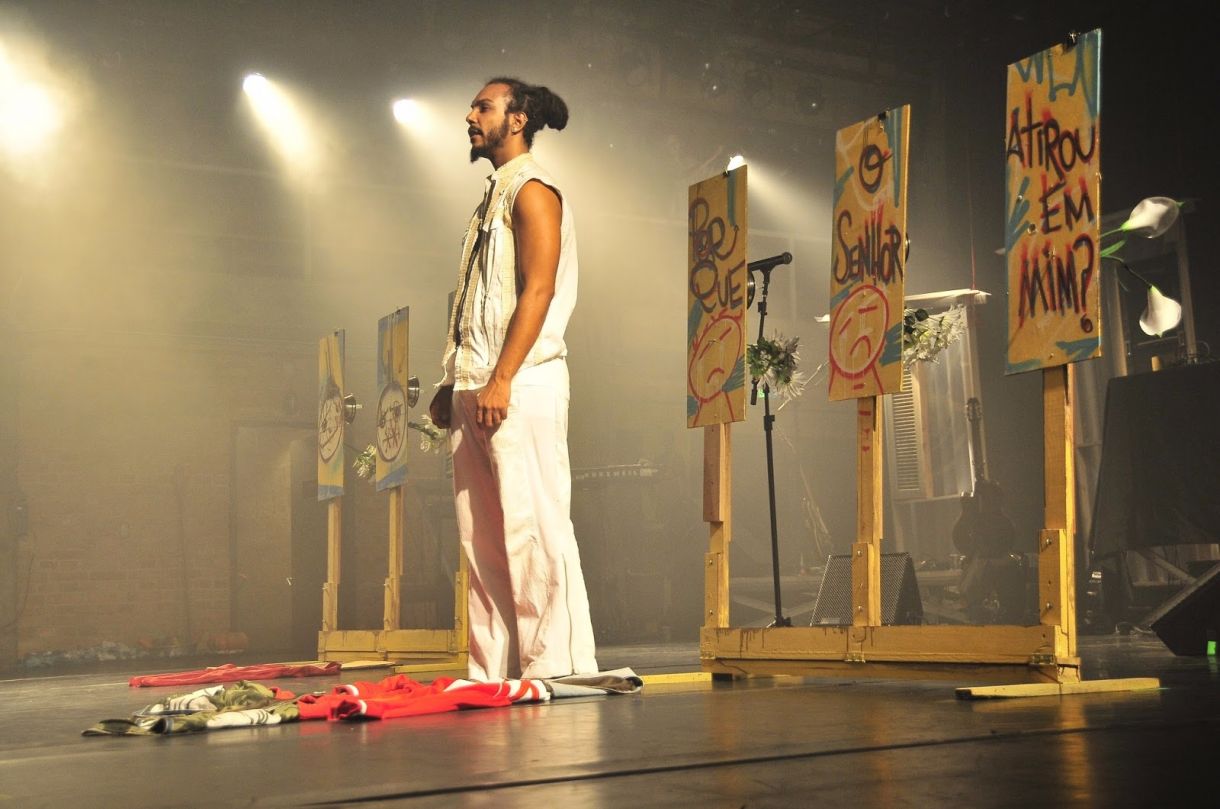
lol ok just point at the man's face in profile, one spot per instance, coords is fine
(487, 123)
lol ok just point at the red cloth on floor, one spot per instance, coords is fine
(229, 673)
(396, 683)
(399, 696)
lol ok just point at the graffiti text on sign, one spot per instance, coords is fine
(1052, 205)
(1050, 283)
(872, 166)
(876, 254)
(715, 287)
(1064, 212)
(1044, 144)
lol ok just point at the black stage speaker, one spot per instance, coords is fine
(1186, 622)
(900, 601)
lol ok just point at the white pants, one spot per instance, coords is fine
(528, 608)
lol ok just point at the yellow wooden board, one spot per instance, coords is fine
(331, 424)
(1053, 205)
(869, 256)
(677, 678)
(939, 643)
(717, 284)
(1058, 689)
(357, 665)
(392, 375)
(950, 672)
(425, 671)
(430, 646)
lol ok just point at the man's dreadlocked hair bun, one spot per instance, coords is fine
(540, 105)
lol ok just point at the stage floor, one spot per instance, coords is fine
(780, 742)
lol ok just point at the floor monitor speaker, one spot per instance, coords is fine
(900, 601)
(1186, 622)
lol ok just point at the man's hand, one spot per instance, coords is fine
(441, 409)
(492, 400)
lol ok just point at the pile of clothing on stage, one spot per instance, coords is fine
(243, 703)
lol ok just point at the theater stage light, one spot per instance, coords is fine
(29, 113)
(406, 111)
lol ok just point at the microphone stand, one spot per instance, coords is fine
(768, 421)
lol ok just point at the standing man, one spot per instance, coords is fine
(505, 400)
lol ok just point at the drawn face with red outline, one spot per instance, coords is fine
(857, 331)
(721, 342)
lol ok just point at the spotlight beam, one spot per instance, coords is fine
(281, 119)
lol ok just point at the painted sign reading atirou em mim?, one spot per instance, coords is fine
(718, 285)
(869, 256)
(1052, 205)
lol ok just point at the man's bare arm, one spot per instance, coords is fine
(537, 213)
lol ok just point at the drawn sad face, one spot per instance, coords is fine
(857, 331)
(715, 355)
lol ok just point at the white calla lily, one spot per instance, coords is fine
(1152, 217)
(1161, 315)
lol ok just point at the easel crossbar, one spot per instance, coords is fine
(996, 645)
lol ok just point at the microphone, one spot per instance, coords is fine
(765, 266)
(768, 264)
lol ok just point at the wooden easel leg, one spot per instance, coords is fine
(866, 551)
(460, 643)
(393, 582)
(717, 471)
(1056, 544)
(334, 541)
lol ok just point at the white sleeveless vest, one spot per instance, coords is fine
(489, 283)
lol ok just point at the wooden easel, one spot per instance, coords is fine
(1042, 659)
(1041, 654)
(413, 650)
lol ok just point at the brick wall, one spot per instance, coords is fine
(125, 459)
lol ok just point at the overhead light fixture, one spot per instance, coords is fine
(30, 113)
(255, 85)
(406, 111)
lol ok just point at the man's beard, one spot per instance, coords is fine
(491, 140)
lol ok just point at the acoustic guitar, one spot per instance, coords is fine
(983, 530)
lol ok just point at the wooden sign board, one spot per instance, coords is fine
(331, 424)
(1053, 207)
(869, 256)
(392, 374)
(717, 285)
